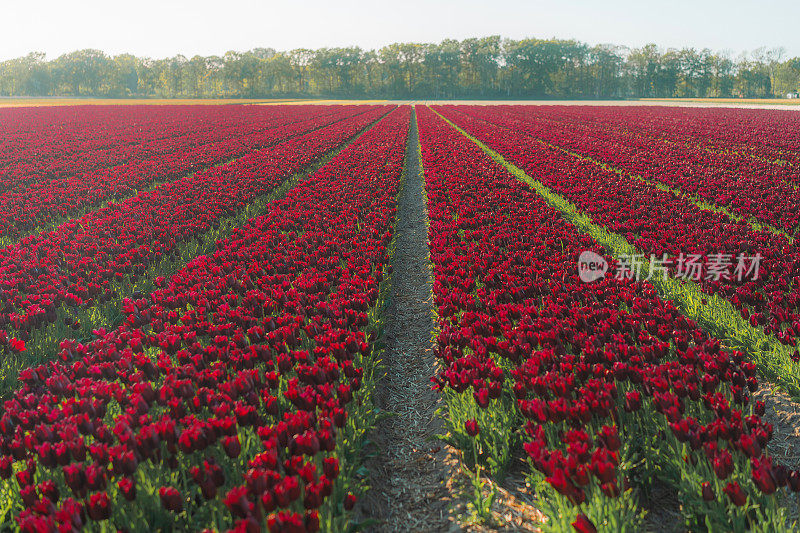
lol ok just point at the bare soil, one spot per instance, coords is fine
(411, 476)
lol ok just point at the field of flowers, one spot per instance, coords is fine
(613, 388)
(668, 224)
(750, 186)
(193, 302)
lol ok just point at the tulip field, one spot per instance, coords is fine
(193, 305)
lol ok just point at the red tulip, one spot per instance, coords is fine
(171, 499)
(735, 493)
(582, 524)
(128, 488)
(99, 507)
(707, 492)
(231, 446)
(349, 502)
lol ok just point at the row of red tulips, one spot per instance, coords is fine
(756, 159)
(768, 136)
(740, 184)
(43, 203)
(58, 142)
(659, 223)
(27, 133)
(85, 261)
(233, 396)
(612, 387)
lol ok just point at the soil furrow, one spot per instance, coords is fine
(410, 476)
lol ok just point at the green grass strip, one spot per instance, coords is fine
(715, 314)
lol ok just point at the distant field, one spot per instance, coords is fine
(753, 103)
(669, 102)
(43, 102)
(333, 102)
(767, 101)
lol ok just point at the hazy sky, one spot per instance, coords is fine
(161, 28)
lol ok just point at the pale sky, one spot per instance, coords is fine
(161, 28)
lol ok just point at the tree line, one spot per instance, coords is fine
(490, 67)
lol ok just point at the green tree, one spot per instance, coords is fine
(488, 67)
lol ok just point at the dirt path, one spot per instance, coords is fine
(410, 475)
(784, 414)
